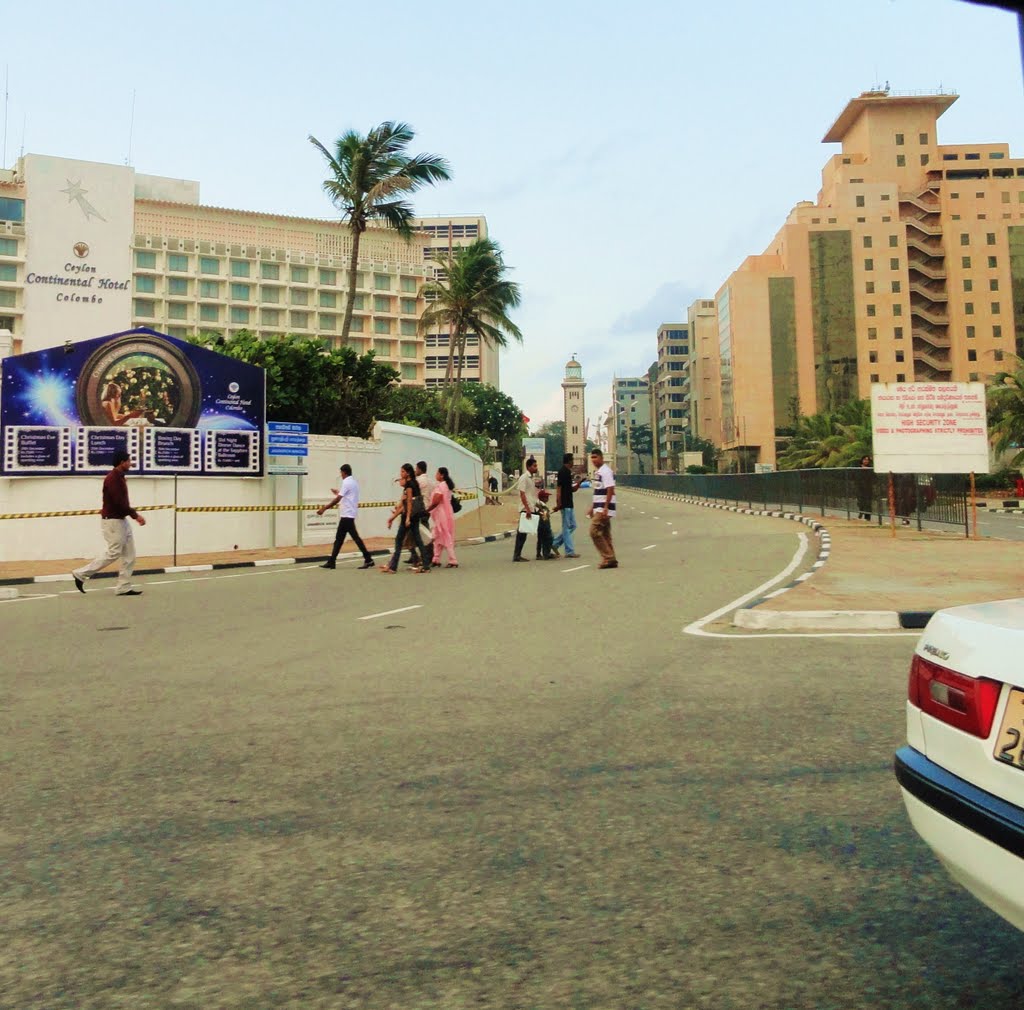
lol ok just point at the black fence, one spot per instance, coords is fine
(853, 492)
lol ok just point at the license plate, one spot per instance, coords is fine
(1010, 740)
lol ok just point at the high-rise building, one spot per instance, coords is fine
(909, 267)
(631, 409)
(705, 371)
(88, 249)
(671, 394)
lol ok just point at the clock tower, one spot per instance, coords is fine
(575, 415)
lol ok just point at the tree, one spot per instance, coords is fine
(414, 405)
(640, 440)
(337, 391)
(370, 177)
(494, 413)
(553, 434)
(708, 450)
(1006, 413)
(474, 296)
(830, 438)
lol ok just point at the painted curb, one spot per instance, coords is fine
(258, 563)
(9, 594)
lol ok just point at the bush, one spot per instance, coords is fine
(693, 468)
(1000, 480)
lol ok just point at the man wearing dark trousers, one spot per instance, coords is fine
(528, 499)
(567, 484)
(348, 495)
(426, 485)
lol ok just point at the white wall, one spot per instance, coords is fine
(375, 464)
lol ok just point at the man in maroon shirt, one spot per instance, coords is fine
(116, 531)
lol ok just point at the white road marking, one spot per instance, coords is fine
(40, 596)
(388, 613)
(675, 533)
(578, 568)
(648, 547)
(697, 627)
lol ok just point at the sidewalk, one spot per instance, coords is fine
(488, 522)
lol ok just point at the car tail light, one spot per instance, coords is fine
(968, 703)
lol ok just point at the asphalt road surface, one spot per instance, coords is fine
(515, 786)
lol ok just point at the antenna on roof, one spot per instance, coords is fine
(131, 130)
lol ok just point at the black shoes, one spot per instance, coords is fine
(79, 584)
(131, 592)
(329, 564)
(520, 559)
(368, 563)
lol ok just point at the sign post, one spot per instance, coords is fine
(289, 438)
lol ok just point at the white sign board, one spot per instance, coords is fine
(929, 427)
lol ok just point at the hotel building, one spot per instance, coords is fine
(88, 249)
(909, 267)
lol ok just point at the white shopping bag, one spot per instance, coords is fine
(528, 523)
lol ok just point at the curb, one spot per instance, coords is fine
(219, 566)
(749, 618)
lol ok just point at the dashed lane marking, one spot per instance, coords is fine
(388, 613)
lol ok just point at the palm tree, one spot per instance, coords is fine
(831, 438)
(370, 177)
(1006, 413)
(472, 296)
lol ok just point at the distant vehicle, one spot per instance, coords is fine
(585, 482)
(962, 771)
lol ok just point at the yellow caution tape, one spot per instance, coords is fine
(76, 512)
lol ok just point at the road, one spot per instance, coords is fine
(502, 786)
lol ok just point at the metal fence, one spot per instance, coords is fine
(853, 492)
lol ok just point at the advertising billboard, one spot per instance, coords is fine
(174, 407)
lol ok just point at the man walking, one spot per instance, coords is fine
(116, 531)
(602, 510)
(426, 485)
(567, 484)
(529, 501)
(348, 495)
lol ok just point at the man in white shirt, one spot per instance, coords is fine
(348, 495)
(529, 500)
(602, 510)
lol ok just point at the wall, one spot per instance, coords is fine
(375, 463)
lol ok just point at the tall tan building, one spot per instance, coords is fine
(909, 267)
(575, 413)
(88, 249)
(705, 371)
(671, 394)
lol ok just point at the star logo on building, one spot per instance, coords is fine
(77, 195)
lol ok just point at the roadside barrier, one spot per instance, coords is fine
(74, 512)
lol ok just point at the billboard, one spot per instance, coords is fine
(174, 407)
(929, 427)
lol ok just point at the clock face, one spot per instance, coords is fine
(575, 408)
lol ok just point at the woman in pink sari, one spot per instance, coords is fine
(442, 519)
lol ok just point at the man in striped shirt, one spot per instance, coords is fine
(602, 510)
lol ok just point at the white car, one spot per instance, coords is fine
(962, 771)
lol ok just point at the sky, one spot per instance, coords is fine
(627, 156)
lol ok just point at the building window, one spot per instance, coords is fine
(897, 310)
(869, 264)
(239, 268)
(359, 302)
(869, 288)
(409, 284)
(408, 370)
(993, 284)
(382, 282)
(147, 285)
(969, 308)
(970, 332)
(972, 355)
(899, 357)
(408, 349)
(300, 275)
(8, 247)
(8, 272)
(357, 324)
(873, 357)
(299, 296)
(990, 238)
(328, 321)
(894, 241)
(177, 310)
(300, 320)
(240, 292)
(328, 300)
(859, 201)
(894, 264)
(874, 377)
(11, 209)
(922, 138)
(145, 260)
(965, 262)
(270, 317)
(271, 295)
(382, 348)
(968, 284)
(992, 262)
(995, 308)
(897, 333)
(409, 306)
(329, 277)
(209, 289)
(270, 271)
(867, 241)
(408, 327)
(382, 326)
(924, 159)
(901, 376)
(965, 238)
(145, 307)
(997, 331)
(209, 265)
(895, 287)
(381, 303)
(899, 139)
(177, 285)
(871, 310)
(209, 313)
(901, 160)
(239, 314)
(177, 262)
(998, 355)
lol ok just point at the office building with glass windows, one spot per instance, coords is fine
(88, 249)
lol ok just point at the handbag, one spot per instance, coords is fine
(528, 523)
(456, 504)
